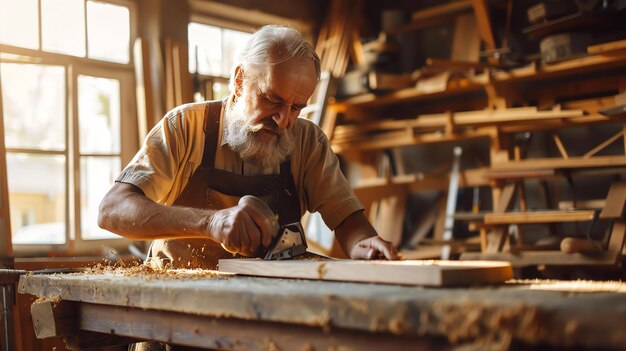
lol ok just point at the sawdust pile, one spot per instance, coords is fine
(149, 272)
(55, 299)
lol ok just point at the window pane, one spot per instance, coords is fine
(220, 91)
(233, 41)
(33, 99)
(207, 41)
(97, 174)
(37, 198)
(108, 32)
(18, 23)
(99, 115)
(63, 26)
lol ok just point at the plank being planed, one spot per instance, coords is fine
(410, 272)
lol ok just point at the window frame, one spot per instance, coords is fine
(129, 135)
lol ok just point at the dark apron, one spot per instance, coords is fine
(214, 189)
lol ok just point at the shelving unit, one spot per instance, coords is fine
(533, 98)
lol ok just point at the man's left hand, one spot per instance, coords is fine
(373, 248)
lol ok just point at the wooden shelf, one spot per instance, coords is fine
(580, 65)
(432, 128)
(407, 138)
(434, 15)
(575, 21)
(527, 73)
(403, 95)
(560, 163)
(539, 217)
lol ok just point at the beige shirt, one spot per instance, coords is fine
(173, 150)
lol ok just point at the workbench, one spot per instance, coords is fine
(222, 311)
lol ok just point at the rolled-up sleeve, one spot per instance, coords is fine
(157, 164)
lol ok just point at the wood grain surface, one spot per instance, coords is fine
(410, 272)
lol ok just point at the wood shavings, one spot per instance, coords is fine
(53, 298)
(149, 272)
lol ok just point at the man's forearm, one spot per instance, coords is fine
(134, 216)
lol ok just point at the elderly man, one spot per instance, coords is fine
(219, 177)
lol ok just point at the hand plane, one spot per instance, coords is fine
(287, 243)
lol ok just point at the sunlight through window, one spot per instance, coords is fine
(108, 29)
(18, 23)
(63, 26)
(34, 106)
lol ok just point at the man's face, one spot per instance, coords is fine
(258, 126)
(276, 101)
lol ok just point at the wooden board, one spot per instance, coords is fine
(539, 217)
(615, 201)
(604, 48)
(434, 273)
(6, 245)
(559, 163)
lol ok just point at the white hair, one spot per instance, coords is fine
(273, 44)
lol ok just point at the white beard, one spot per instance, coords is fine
(242, 135)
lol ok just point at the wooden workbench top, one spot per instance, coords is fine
(561, 313)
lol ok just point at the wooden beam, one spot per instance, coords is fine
(439, 121)
(144, 88)
(559, 145)
(54, 318)
(170, 84)
(520, 174)
(6, 243)
(615, 201)
(197, 331)
(604, 144)
(182, 78)
(616, 241)
(484, 26)
(450, 8)
(435, 273)
(497, 239)
(466, 40)
(559, 163)
(539, 217)
(605, 48)
(582, 204)
(505, 198)
(356, 48)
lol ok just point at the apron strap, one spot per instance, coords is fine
(212, 113)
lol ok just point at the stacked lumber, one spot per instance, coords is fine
(339, 37)
(441, 126)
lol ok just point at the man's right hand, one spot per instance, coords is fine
(245, 228)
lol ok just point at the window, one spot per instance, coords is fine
(212, 53)
(68, 110)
